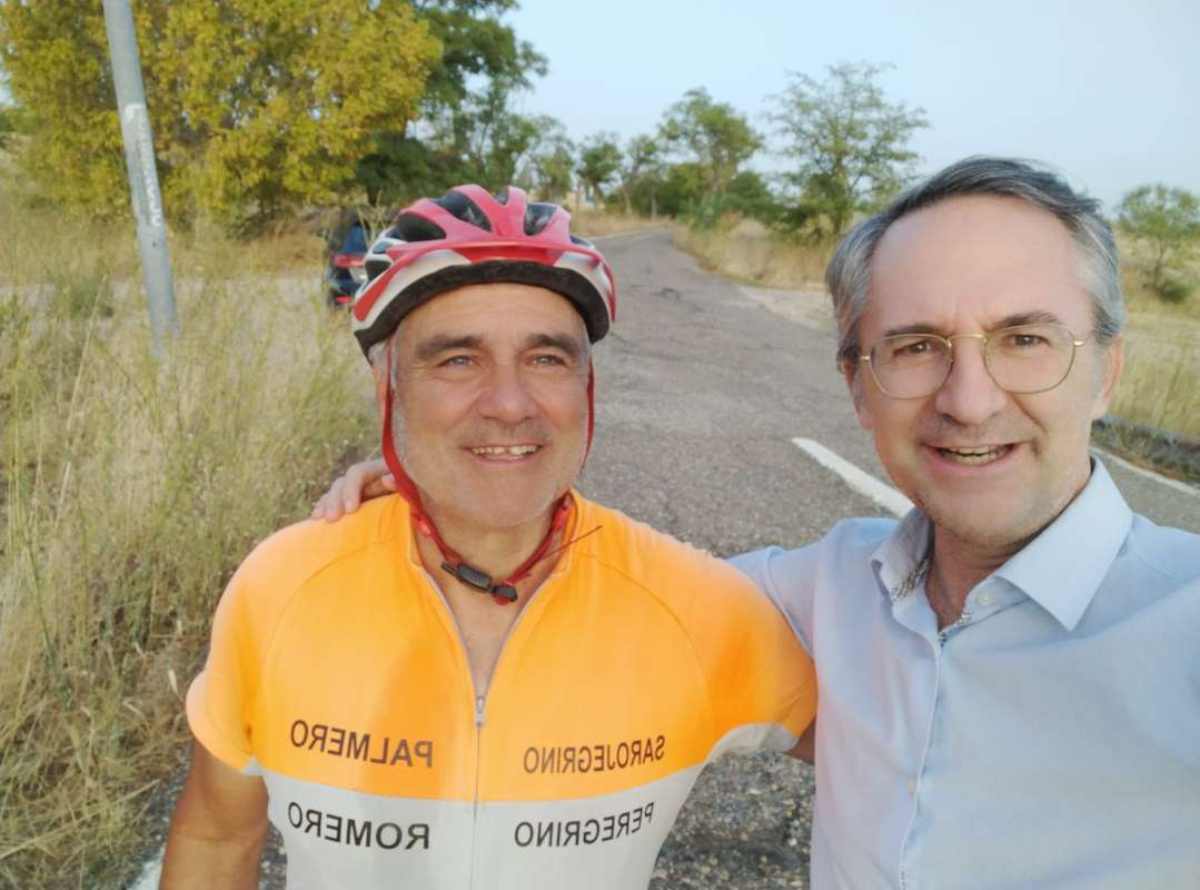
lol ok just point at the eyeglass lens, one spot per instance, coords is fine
(1021, 359)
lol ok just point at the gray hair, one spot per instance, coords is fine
(377, 352)
(849, 274)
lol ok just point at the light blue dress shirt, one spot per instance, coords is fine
(1050, 739)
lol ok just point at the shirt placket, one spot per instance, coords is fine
(981, 603)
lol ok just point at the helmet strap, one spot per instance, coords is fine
(505, 590)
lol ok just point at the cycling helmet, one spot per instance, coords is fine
(469, 236)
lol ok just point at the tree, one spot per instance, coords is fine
(682, 189)
(467, 129)
(850, 143)
(476, 44)
(750, 195)
(710, 134)
(642, 164)
(1167, 221)
(258, 106)
(599, 163)
(551, 160)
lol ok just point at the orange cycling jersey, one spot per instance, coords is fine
(337, 673)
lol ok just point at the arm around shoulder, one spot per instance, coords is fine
(217, 831)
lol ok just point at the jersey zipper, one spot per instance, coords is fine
(480, 704)
(480, 701)
(481, 718)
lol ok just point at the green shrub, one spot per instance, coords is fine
(1173, 290)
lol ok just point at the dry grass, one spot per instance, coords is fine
(592, 223)
(129, 490)
(747, 250)
(1160, 387)
(1161, 384)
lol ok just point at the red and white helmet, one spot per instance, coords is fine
(469, 236)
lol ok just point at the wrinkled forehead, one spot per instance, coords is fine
(496, 314)
(968, 263)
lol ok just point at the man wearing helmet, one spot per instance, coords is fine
(486, 681)
(1009, 673)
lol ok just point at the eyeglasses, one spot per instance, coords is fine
(1022, 359)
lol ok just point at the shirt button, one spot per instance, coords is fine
(912, 786)
(985, 599)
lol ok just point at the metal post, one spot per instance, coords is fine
(143, 176)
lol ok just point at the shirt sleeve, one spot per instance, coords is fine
(761, 681)
(788, 578)
(219, 700)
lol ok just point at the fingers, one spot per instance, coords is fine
(374, 488)
(329, 505)
(364, 480)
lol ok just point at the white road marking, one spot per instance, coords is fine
(1111, 458)
(864, 483)
(150, 876)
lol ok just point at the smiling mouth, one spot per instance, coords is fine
(504, 452)
(974, 457)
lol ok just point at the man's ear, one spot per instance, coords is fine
(852, 373)
(1113, 361)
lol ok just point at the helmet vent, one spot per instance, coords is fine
(374, 265)
(462, 207)
(537, 216)
(409, 227)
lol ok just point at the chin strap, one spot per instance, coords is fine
(503, 591)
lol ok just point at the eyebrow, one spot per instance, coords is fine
(568, 345)
(1037, 316)
(440, 343)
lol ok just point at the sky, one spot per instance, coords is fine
(1107, 91)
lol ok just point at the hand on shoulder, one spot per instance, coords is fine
(363, 481)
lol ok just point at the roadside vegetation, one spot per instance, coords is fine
(129, 490)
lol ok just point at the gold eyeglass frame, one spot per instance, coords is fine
(1075, 341)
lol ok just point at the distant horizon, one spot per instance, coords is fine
(1102, 93)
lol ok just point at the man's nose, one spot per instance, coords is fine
(506, 396)
(969, 395)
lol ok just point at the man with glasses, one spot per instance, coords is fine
(1009, 677)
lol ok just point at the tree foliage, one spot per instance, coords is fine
(548, 171)
(476, 45)
(468, 130)
(850, 143)
(8, 124)
(712, 135)
(600, 160)
(641, 170)
(1167, 221)
(257, 106)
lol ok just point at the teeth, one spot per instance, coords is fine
(505, 450)
(972, 456)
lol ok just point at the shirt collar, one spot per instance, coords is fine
(899, 560)
(1060, 569)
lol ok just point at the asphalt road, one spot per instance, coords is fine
(701, 386)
